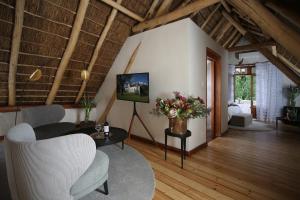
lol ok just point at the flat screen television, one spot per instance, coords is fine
(133, 87)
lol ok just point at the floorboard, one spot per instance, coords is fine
(240, 165)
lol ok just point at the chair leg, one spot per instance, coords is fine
(105, 188)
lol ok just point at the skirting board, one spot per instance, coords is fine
(160, 145)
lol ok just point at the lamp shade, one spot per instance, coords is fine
(85, 75)
(36, 75)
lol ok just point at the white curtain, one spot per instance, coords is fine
(269, 94)
(231, 69)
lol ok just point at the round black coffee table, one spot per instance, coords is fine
(116, 135)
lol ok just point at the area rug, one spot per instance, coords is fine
(130, 177)
(255, 126)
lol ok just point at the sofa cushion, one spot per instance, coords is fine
(94, 177)
(53, 130)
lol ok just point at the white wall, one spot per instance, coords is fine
(175, 57)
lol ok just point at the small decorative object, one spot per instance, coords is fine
(179, 110)
(87, 105)
(85, 75)
(293, 93)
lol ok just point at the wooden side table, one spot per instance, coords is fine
(183, 142)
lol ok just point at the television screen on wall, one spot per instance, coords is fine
(133, 87)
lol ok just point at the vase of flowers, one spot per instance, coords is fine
(179, 109)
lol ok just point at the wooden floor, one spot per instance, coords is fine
(240, 165)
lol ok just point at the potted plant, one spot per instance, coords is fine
(293, 93)
(87, 104)
(179, 109)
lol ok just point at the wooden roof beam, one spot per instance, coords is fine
(276, 61)
(164, 7)
(223, 31)
(281, 66)
(230, 38)
(217, 27)
(270, 24)
(285, 12)
(152, 8)
(210, 16)
(236, 24)
(100, 42)
(14, 53)
(226, 6)
(235, 40)
(250, 47)
(69, 50)
(123, 10)
(174, 15)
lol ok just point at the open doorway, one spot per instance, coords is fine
(245, 89)
(214, 95)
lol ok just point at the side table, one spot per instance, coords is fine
(183, 142)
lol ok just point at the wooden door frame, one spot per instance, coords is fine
(212, 55)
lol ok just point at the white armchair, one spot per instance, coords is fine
(61, 168)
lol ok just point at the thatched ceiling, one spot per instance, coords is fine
(48, 24)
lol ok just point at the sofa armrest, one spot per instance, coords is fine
(47, 169)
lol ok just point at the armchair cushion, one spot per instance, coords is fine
(53, 130)
(93, 178)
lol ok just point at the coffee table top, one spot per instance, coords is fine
(116, 135)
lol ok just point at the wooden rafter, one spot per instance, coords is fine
(174, 15)
(250, 47)
(69, 50)
(210, 16)
(114, 96)
(235, 40)
(241, 29)
(230, 38)
(270, 24)
(14, 53)
(285, 12)
(217, 27)
(100, 42)
(281, 65)
(123, 10)
(184, 3)
(226, 6)
(223, 31)
(152, 8)
(275, 60)
(164, 8)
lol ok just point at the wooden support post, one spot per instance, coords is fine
(216, 28)
(69, 50)
(241, 29)
(14, 52)
(223, 31)
(97, 49)
(114, 96)
(270, 24)
(230, 38)
(174, 15)
(210, 16)
(123, 10)
(152, 8)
